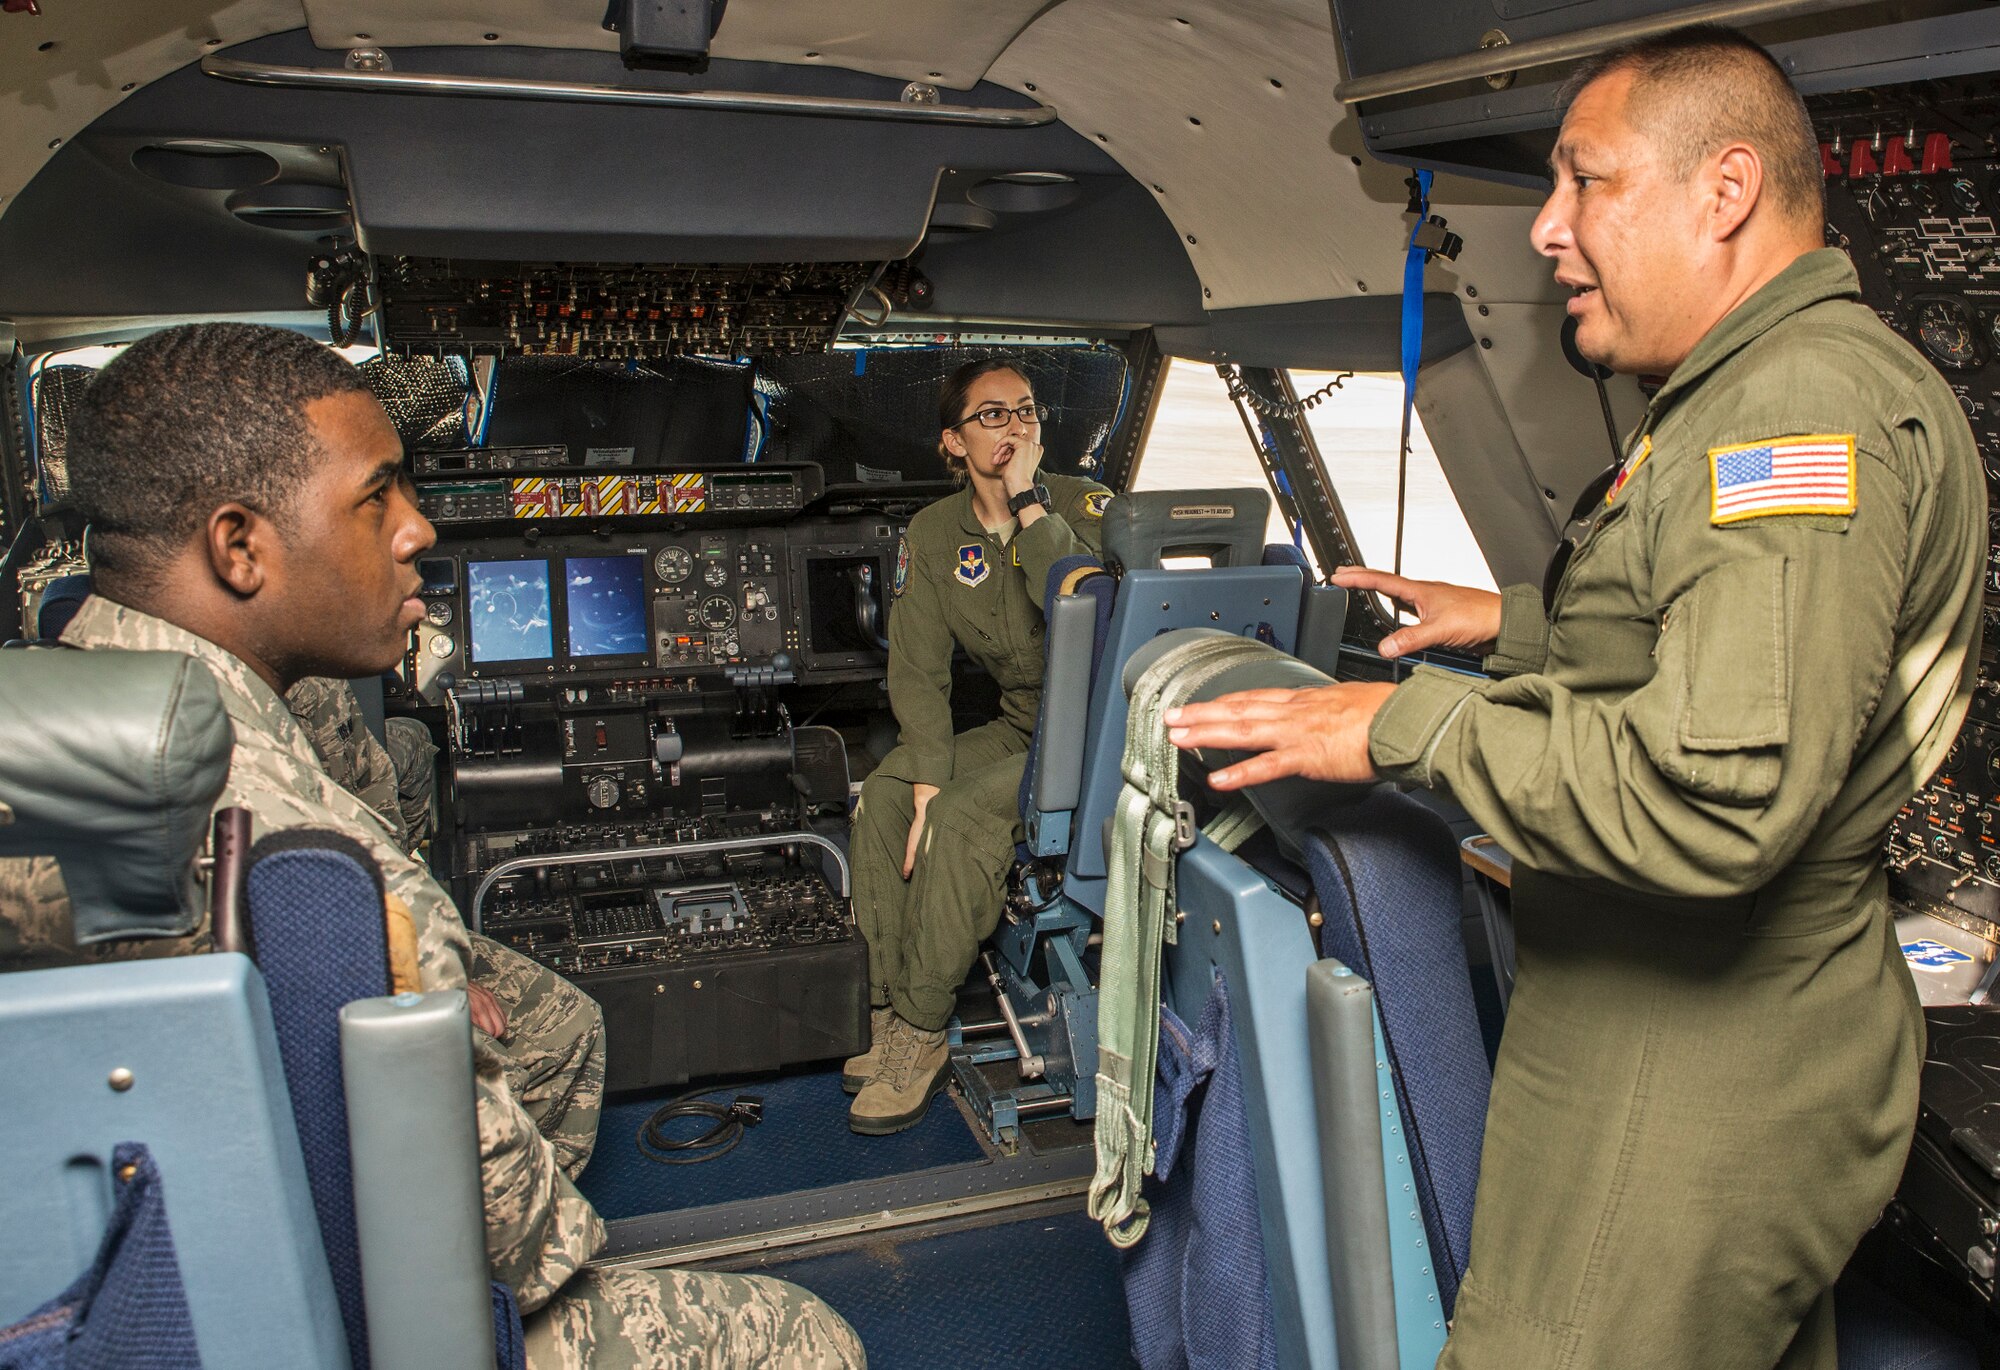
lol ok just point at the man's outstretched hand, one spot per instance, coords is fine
(1447, 615)
(1321, 734)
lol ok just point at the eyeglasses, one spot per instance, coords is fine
(1585, 511)
(996, 416)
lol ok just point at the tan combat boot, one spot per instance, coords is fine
(857, 1071)
(912, 1069)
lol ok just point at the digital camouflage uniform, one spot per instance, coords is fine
(1708, 1082)
(396, 777)
(956, 585)
(538, 1089)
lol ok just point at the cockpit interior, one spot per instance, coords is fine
(659, 300)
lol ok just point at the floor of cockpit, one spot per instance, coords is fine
(802, 1143)
(1044, 1291)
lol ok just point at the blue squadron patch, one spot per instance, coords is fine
(1094, 502)
(972, 567)
(902, 580)
(1925, 954)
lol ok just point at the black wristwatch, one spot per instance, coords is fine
(1034, 494)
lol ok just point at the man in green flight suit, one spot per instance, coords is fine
(1758, 650)
(935, 829)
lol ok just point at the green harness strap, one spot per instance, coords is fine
(1150, 826)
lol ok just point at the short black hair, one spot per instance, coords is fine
(1697, 88)
(951, 401)
(186, 420)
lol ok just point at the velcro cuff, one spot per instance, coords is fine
(1407, 727)
(1523, 645)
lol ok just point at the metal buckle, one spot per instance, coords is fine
(1185, 831)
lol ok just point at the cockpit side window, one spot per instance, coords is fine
(1356, 426)
(1197, 442)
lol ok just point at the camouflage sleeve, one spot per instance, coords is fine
(35, 930)
(1074, 527)
(330, 716)
(920, 645)
(539, 1229)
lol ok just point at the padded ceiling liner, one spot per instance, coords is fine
(945, 42)
(1262, 191)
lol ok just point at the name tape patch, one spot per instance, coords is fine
(1803, 474)
(1924, 954)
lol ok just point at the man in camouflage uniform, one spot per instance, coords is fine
(274, 570)
(1693, 746)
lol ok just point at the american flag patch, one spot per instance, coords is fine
(1808, 474)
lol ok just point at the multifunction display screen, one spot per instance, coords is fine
(509, 610)
(605, 598)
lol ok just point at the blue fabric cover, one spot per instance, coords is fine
(315, 902)
(1196, 1284)
(129, 1309)
(1877, 1331)
(1387, 874)
(510, 1342)
(60, 601)
(1284, 554)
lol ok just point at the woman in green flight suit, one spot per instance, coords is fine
(935, 830)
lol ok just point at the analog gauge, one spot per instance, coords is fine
(718, 612)
(715, 575)
(673, 564)
(1993, 766)
(1964, 194)
(1944, 327)
(439, 612)
(442, 646)
(1954, 758)
(1991, 869)
(603, 792)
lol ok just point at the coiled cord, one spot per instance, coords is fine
(731, 1121)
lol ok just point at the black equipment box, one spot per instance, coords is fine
(1952, 1183)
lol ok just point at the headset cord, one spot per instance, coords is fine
(731, 1119)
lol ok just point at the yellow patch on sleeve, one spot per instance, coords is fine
(1094, 502)
(1809, 473)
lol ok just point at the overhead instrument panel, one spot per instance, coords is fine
(433, 306)
(1913, 191)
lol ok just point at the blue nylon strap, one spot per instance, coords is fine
(1413, 341)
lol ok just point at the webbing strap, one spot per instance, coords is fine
(1150, 826)
(1413, 348)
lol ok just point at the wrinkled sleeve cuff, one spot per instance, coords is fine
(1408, 727)
(1523, 645)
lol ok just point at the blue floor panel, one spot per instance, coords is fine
(1018, 1296)
(803, 1143)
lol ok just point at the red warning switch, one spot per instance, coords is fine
(1829, 165)
(1937, 153)
(1896, 160)
(1861, 161)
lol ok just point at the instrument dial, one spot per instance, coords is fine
(718, 612)
(1954, 758)
(673, 564)
(1944, 327)
(715, 575)
(1993, 766)
(603, 792)
(442, 646)
(439, 612)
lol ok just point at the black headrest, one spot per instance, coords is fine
(60, 601)
(1226, 526)
(110, 762)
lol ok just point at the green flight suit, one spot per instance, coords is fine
(1708, 1081)
(956, 585)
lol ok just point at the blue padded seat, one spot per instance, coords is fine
(304, 889)
(1386, 873)
(60, 601)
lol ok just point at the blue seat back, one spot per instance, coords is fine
(185, 1030)
(315, 901)
(1050, 779)
(1386, 871)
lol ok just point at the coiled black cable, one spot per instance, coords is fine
(731, 1120)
